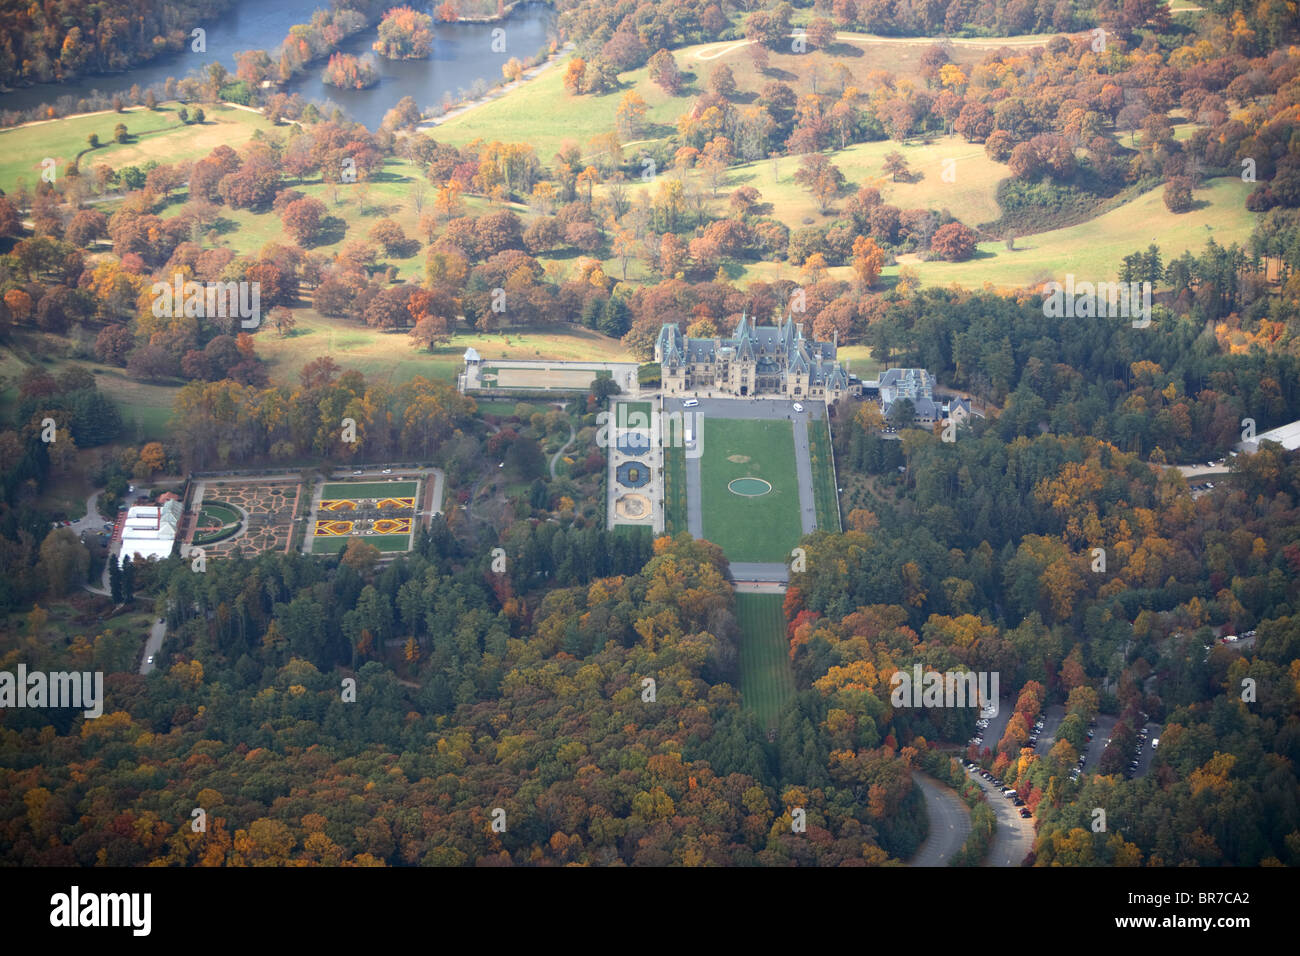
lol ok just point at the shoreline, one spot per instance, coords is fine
(495, 93)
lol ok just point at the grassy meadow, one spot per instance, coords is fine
(156, 134)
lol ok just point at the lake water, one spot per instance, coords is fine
(462, 54)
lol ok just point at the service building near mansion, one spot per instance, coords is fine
(773, 360)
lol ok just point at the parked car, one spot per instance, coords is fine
(1024, 812)
(690, 403)
(798, 407)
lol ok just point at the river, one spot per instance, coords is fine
(462, 54)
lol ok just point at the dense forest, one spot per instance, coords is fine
(64, 39)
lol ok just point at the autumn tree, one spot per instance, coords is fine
(822, 178)
(896, 166)
(1178, 194)
(868, 261)
(405, 34)
(574, 74)
(665, 73)
(302, 219)
(630, 115)
(954, 242)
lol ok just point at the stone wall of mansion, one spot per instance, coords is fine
(776, 361)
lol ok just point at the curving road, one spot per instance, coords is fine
(556, 457)
(949, 822)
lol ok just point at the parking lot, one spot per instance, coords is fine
(1144, 759)
(1102, 732)
(1052, 717)
(991, 734)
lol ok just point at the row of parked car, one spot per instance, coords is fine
(1132, 770)
(1008, 792)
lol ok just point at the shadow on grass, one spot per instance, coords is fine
(332, 229)
(384, 176)
(844, 50)
(223, 226)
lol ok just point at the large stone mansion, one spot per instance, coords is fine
(775, 360)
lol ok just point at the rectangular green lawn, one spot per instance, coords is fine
(766, 681)
(369, 489)
(631, 409)
(762, 528)
(333, 544)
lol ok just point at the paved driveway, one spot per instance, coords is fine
(949, 822)
(157, 631)
(803, 468)
(1014, 837)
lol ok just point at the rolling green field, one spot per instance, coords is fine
(971, 196)
(389, 194)
(146, 409)
(369, 489)
(543, 114)
(674, 490)
(823, 472)
(1094, 249)
(763, 528)
(157, 134)
(766, 681)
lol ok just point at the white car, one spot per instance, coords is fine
(798, 407)
(690, 403)
(387, 471)
(355, 473)
(150, 658)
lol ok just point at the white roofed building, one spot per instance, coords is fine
(150, 531)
